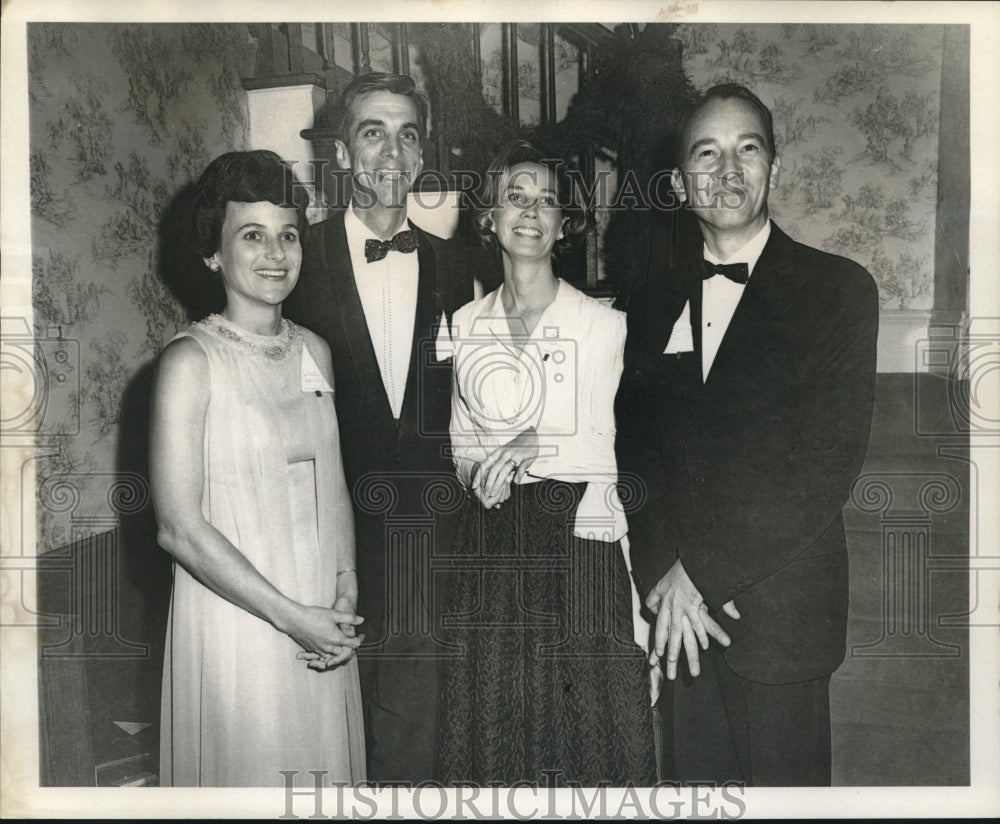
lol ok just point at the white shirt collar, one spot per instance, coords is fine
(353, 225)
(494, 312)
(358, 233)
(749, 253)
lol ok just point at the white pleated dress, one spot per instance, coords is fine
(238, 707)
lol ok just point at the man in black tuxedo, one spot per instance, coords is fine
(744, 414)
(381, 291)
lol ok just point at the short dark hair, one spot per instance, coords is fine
(492, 190)
(241, 177)
(725, 91)
(339, 116)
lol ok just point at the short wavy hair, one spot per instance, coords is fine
(242, 177)
(489, 194)
(339, 115)
(725, 91)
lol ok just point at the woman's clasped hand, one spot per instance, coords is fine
(511, 462)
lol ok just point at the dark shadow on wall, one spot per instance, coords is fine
(100, 685)
(183, 272)
(145, 568)
(106, 597)
(100, 667)
(645, 241)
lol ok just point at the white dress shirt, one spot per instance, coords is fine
(562, 383)
(388, 291)
(720, 296)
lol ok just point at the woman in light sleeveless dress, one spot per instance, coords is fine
(260, 682)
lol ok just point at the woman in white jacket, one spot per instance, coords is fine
(545, 676)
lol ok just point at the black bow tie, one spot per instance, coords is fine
(403, 242)
(736, 272)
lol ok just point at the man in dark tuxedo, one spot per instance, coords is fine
(381, 291)
(743, 416)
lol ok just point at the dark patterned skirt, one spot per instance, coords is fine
(544, 682)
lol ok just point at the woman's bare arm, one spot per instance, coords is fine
(177, 431)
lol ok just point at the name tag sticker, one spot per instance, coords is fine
(312, 378)
(681, 337)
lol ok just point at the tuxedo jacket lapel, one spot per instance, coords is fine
(425, 323)
(352, 319)
(692, 383)
(678, 375)
(682, 370)
(756, 323)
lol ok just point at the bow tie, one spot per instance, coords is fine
(378, 249)
(736, 272)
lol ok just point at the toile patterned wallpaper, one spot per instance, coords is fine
(121, 118)
(124, 116)
(856, 125)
